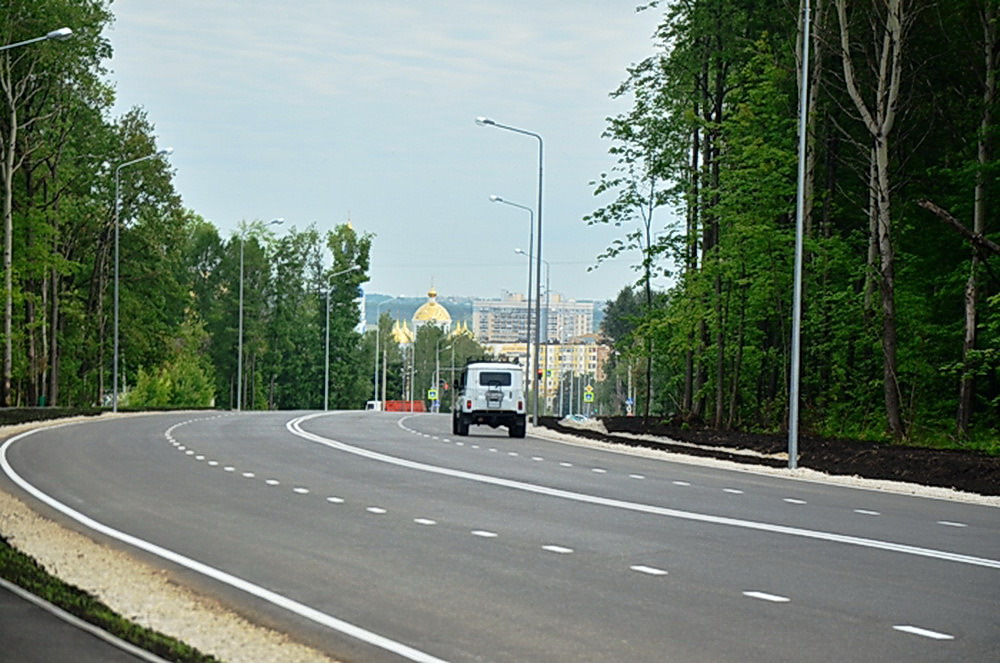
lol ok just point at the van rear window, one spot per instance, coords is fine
(494, 379)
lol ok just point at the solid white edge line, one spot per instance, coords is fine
(321, 618)
(295, 427)
(73, 620)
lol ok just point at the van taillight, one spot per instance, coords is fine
(468, 405)
(520, 405)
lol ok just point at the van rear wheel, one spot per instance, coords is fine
(516, 429)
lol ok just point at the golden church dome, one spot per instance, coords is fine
(401, 334)
(432, 312)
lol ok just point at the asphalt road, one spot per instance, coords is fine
(382, 537)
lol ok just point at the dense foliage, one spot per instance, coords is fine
(901, 281)
(63, 163)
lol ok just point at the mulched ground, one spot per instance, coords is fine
(963, 470)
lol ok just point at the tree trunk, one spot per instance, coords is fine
(879, 121)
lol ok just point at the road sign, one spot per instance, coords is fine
(589, 389)
(629, 402)
(588, 397)
(432, 394)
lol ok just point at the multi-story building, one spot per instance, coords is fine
(505, 320)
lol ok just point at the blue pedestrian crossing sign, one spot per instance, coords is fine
(432, 394)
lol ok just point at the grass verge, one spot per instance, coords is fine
(24, 571)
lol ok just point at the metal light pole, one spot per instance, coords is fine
(8, 252)
(326, 360)
(239, 341)
(793, 388)
(378, 329)
(114, 366)
(485, 121)
(531, 248)
(58, 35)
(548, 273)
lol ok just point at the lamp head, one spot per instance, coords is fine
(495, 198)
(483, 121)
(60, 34)
(276, 222)
(165, 151)
(521, 251)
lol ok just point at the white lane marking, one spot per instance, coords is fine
(181, 448)
(377, 510)
(335, 500)
(732, 491)
(272, 482)
(636, 476)
(764, 596)
(248, 475)
(475, 446)
(564, 464)
(484, 534)
(300, 490)
(460, 444)
(213, 463)
(301, 609)
(424, 521)
(512, 453)
(792, 500)
(537, 458)
(598, 470)
(558, 550)
(680, 483)
(295, 427)
(923, 632)
(866, 512)
(189, 452)
(951, 523)
(199, 457)
(648, 570)
(229, 468)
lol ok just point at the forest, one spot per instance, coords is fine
(900, 322)
(900, 319)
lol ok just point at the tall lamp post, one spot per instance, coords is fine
(8, 251)
(378, 328)
(58, 35)
(487, 122)
(326, 360)
(239, 341)
(548, 273)
(114, 362)
(531, 248)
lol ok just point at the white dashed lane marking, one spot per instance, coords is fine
(866, 512)
(377, 510)
(335, 500)
(424, 521)
(680, 483)
(484, 534)
(923, 632)
(951, 523)
(272, 482)
(732, 491)
(792, 500)
(301, 490)
(558, 549)
(648, 570)
(248, 475)
(636, 476)
(764, 596)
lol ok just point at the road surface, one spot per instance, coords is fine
(382, 537)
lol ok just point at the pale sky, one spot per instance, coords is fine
(323, 110)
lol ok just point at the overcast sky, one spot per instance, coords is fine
(323, 110)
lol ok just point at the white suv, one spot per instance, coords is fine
(490, 393)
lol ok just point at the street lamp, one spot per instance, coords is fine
(531, 248)
(114, 370)
(378, 327)
(8, 251)
(487, 122)
(548, 273)
(58, 35)
(239, 341)
(326, 361)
